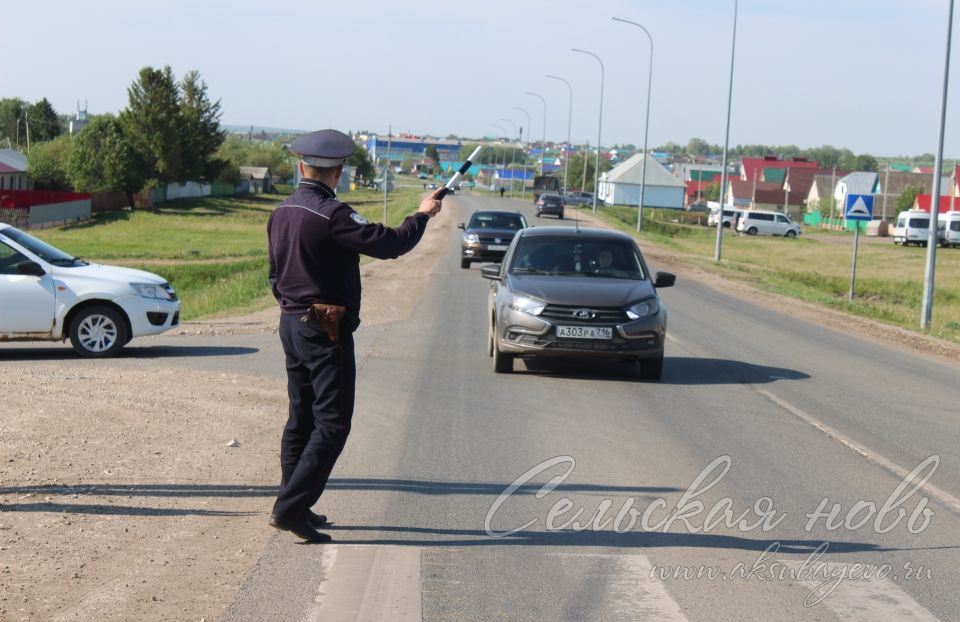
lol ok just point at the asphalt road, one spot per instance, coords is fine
(795, 418)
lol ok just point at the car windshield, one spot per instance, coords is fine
(920, 223)
(496, 220)
(42, 250)
(576, 256)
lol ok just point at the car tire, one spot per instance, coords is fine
(752, 231)
(791, 233)
(502, 361)
(726, 225)
(651, 369)
(98, 332)
(464, 263)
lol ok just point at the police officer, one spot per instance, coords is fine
(315, 243)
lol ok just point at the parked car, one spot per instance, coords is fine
(951, 228)
(730, 217)
(582, 294)
(912, 227)
(488, 235)
(49, 295)
(760, 222)
(578, 198)
(552, 204)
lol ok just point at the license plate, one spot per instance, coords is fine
(497, 247)
(585, 332)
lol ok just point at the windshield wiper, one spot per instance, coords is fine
(530, 270)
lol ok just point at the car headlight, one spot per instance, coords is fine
(526, 305)
(151, 290)
(643, 309)
(471, 238)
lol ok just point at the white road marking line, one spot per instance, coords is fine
(941, 495)
(634, 591)
(369, 584)
(857, 598)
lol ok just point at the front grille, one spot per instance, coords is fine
(602, 315)
(549, 341)
(493, 240)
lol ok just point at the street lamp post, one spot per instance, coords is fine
(543, 141)
(726, 141)
(523, 182)
(596, 170)
(512, 149)
(566, 154)
(646, 125)
(504, 130)
(926, 314)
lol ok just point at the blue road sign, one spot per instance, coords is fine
(859, 207)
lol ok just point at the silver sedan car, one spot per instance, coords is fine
(576, 293)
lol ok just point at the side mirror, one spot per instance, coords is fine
(664, 279)
(461, 226)
(30, 268)
(491, 272)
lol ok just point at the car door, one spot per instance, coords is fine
(782, 225)
(27, 302)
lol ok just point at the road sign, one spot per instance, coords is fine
(859, 207)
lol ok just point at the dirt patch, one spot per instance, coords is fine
(142, 495)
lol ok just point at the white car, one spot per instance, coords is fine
(49, 295)
(912, 227)
(730, 217)
(759, 222)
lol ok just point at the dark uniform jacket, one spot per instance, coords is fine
(315, 243)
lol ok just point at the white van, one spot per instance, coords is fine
(760, 222)
(49, 295)
(912, 227)
(950, 228)
(730, 217)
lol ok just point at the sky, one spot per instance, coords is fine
(866, 75)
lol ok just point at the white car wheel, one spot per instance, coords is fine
(98, 332)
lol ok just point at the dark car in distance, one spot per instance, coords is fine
(488, 235)
(576, 293)
(552, 204)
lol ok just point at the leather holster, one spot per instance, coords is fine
(329, 317)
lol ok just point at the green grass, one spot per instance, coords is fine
(212, 250)
(215, 288)
(889, 284)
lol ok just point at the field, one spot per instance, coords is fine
(212, 250)
(889, 285)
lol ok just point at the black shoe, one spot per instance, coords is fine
(301, 528)
(317, 520)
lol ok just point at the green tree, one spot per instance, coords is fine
(104, 160)
(407, 165)
(434, 155)
(11, 112)
(44, 122)
(361, 160)
(907, 197)
(49, 164)
(153, 123)
(711, 192)
(577, 164)
(202, 135)
(863, 162)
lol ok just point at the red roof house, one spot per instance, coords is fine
(752, 168)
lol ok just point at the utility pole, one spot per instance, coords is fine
(886, 191)
(386, 170)
(833, 194)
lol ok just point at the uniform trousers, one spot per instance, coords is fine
(321, 380)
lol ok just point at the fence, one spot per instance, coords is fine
(41, 208)
(108, 201)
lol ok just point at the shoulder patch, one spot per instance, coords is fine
(357, 218)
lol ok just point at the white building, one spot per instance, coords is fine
(13, 171)
(621, 186)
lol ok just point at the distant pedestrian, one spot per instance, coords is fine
(314, 244)
(502, 189)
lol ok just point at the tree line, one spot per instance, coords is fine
(169, 132)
